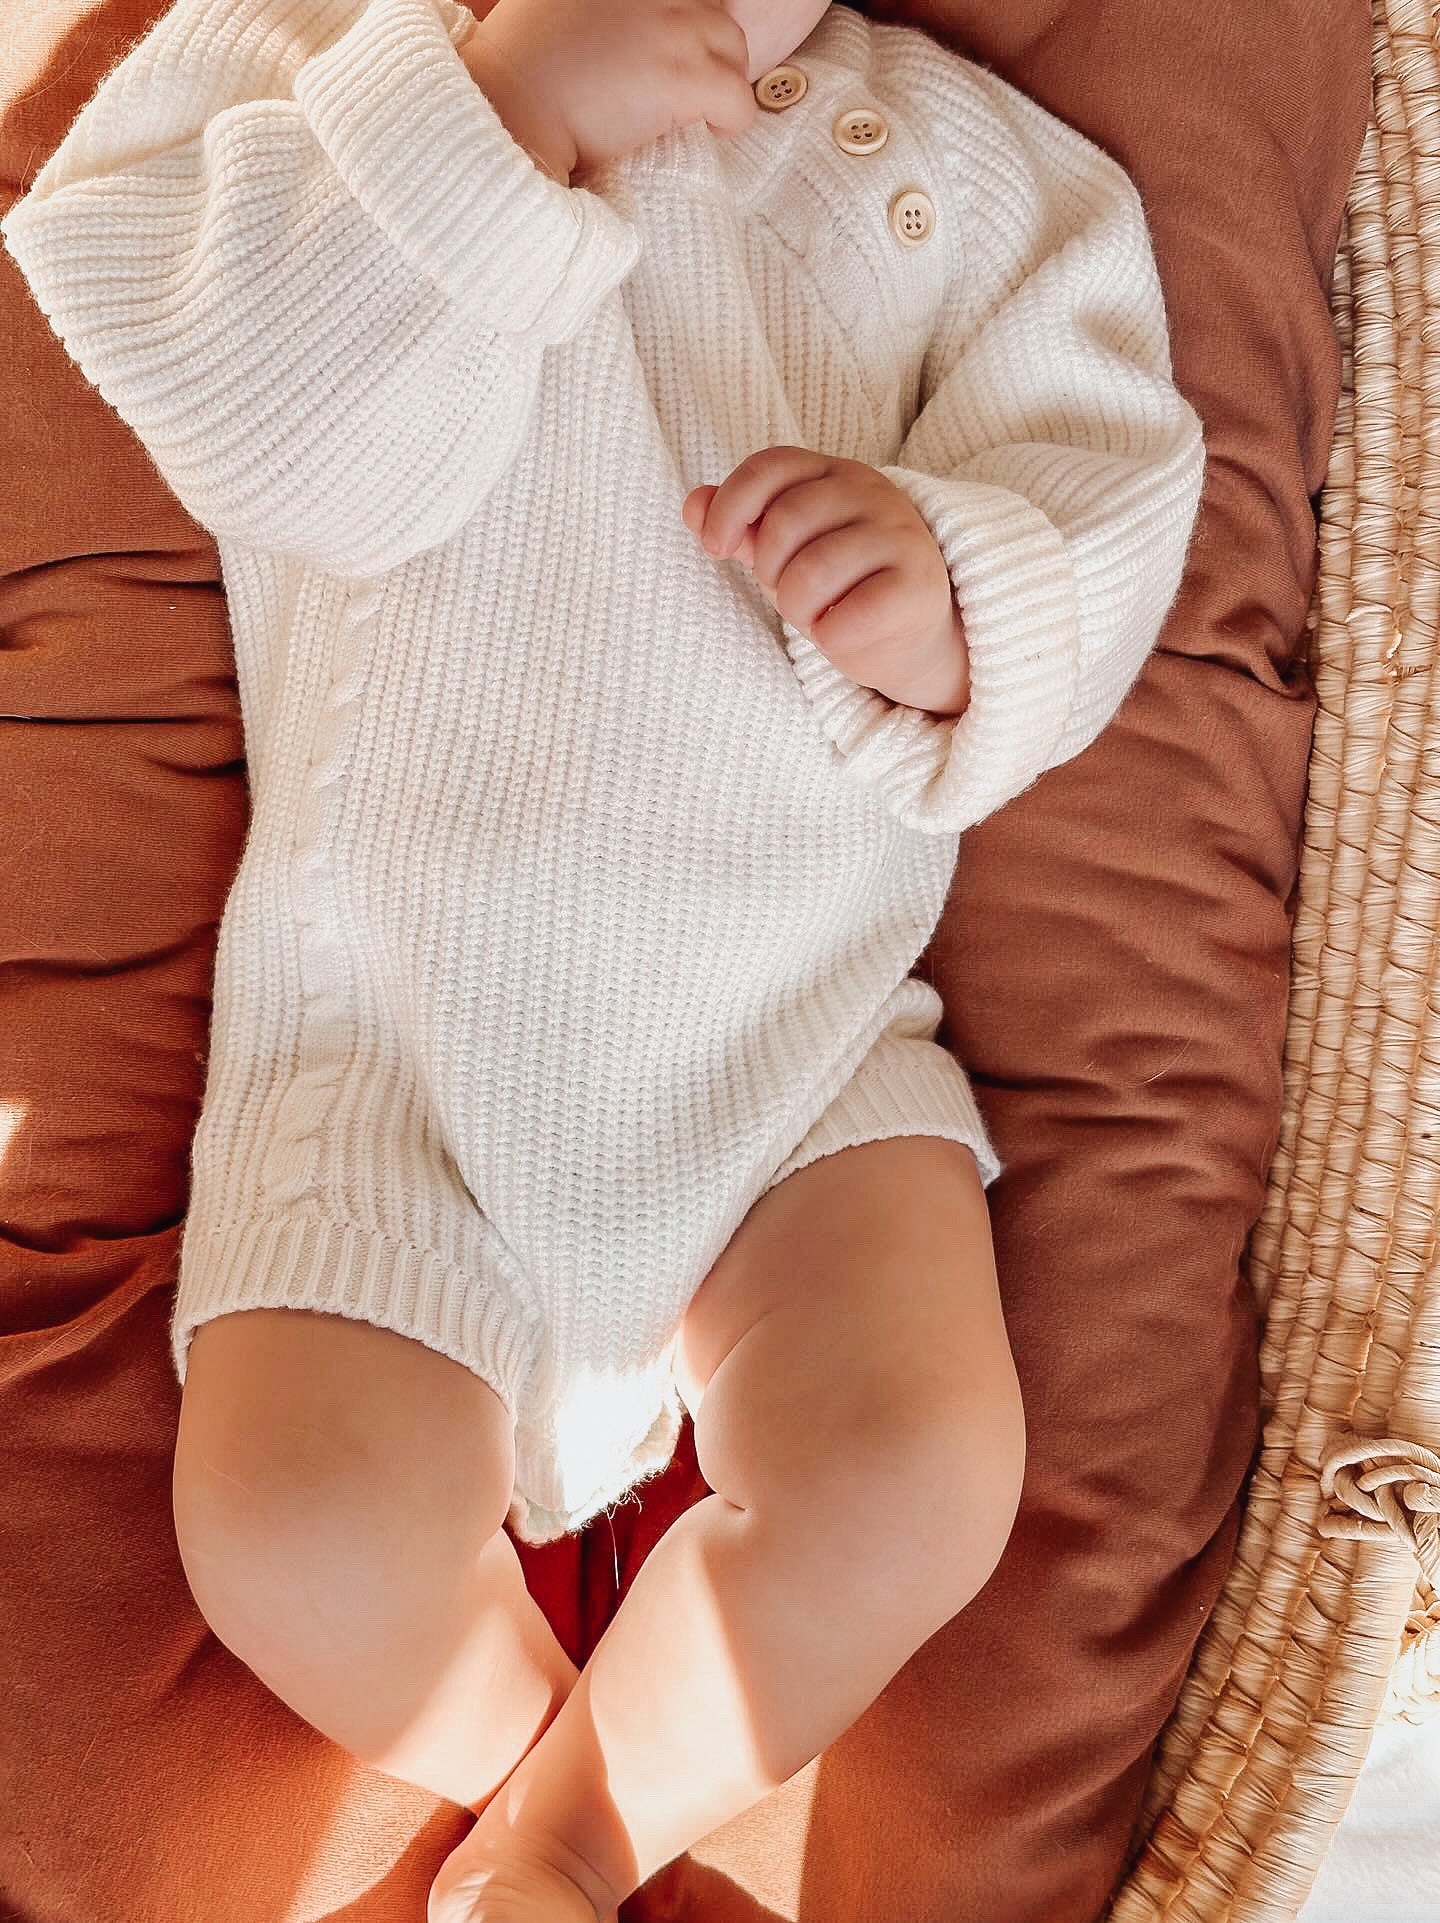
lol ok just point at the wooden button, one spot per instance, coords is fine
(781, 88)
(861, 130)
(912, 216)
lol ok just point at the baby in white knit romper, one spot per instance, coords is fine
(568, 965)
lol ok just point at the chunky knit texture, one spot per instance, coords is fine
(581, 890)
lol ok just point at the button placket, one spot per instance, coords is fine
(858, 130)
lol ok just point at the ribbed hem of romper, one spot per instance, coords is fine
(416, 140)
(308, 1262)
(613, 1458)
(903, 1086)
(1013, 579)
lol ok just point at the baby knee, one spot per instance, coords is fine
(328, 1478)
(309, 1563)
(979, 1470)
(266, 1558)
(940, 1500)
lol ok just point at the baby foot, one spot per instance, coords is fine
(512, 1889)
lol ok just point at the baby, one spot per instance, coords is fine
(674, 468)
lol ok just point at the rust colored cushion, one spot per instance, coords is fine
(1114, 964)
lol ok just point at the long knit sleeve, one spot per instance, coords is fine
(1053, 459)
(297, 250)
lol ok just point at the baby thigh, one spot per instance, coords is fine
(848, 1369)
(338, 1495)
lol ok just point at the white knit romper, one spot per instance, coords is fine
(582, 892)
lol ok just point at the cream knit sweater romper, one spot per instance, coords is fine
(581, 891)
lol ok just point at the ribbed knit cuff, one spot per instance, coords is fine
(1013, 580)
(903, 1086)
(415, 139)
(308, 1262)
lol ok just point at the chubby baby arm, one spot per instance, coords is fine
(312, 270)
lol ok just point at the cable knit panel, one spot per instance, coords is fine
(327, 1032)
(582, 892)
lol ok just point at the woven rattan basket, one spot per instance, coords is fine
(1329, 1621)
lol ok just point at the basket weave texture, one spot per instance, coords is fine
(1329, 1621)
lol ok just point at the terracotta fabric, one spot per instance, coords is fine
(1114, 964)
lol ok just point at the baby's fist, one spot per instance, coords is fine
(845, 557)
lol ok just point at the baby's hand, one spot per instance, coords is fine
(600, 78)
(846, 557)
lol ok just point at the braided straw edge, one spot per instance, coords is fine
(1321, 1631)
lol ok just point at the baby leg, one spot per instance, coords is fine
(858, 1415)
(338, 1496)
